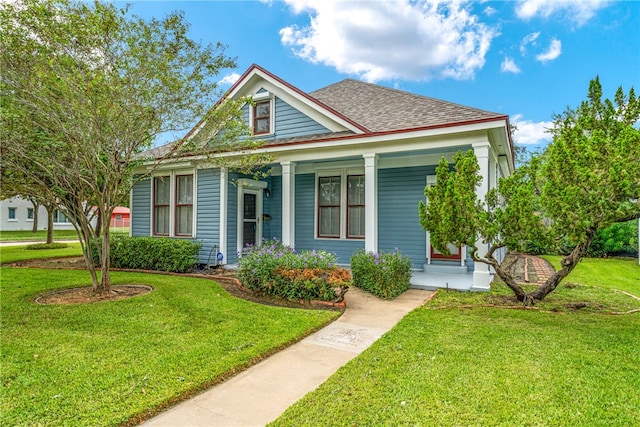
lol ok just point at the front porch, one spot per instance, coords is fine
(431, 280)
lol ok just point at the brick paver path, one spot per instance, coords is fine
(542, 269)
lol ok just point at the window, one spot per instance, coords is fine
(355, 206)
(329, 206)
(341, 206)
(262, 118)
(12, 213)
(29, 213)
(184, 205)
(59, 216)
(173, 211)
(161, 205)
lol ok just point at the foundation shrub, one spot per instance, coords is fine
(273, 268)
(153, 253)
(386, 275)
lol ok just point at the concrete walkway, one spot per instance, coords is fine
(260, 394)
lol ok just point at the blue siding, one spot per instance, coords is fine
(273, 206)
(290, 122)
(141, 208)
(399, 191)
(208, 213)
(305, 239)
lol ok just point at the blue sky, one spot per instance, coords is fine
(529, 59)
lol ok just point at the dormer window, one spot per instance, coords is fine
(262, 117)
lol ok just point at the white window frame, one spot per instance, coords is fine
(259, 98)
(250, 186)
(33, 213)
(15, 214)
(56, 217)
(172, 202)
(343, 173)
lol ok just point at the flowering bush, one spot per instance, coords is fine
(386, 275)
(273, 268)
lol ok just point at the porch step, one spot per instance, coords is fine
(445, 269)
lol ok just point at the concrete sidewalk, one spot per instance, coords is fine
(261, 393)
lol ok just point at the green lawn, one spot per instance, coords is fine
(111, 363)
(9, 254)
(449, 365)
(40, 235)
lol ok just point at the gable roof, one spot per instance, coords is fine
(382, 109)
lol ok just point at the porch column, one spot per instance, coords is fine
(481, 272)
(288, 202)
(370, 202)
(224, 199)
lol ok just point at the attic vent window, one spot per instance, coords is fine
(262, 117)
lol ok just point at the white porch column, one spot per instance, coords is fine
(370, 202)
(224, 198)
(288, 202)
(481, 272)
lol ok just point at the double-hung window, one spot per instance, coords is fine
(329, 190)
(341, 206)
(29, 213)
(161, 205)
(184, 205)
(12, 213)
(262, 118)
(173, 209)
(355, 206)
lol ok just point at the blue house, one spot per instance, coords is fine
(351, 163)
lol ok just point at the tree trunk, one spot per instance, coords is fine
(36, 208)
(50, 209)
(568, 264)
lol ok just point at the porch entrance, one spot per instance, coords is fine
(249, 212)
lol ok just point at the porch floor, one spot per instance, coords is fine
(435, 280)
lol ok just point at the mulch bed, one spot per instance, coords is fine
(226, 279)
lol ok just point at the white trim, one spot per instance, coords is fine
(288, 202)
(482, 272)
(172, 174)
(257, 79)
(224, 200)
(370, 202)
(343, 173)
(249, 186)
(272, 114)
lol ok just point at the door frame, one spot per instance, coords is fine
(249, 186)
(461, 257)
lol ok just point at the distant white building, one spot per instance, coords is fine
(17, 214)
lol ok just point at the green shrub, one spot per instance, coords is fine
(153, 253)
(54, 245)
(273, 268)
(618, 239)
(386, 275)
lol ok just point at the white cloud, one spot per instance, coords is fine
(554, 50)
(489, 11)
(509, 66)
(529, 132)
(529, 39)
(384, 40)
(578, 11)
(229, 79)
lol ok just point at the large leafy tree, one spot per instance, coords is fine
(87, 87)
(586, 179)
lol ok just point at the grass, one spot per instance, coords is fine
(9, 254)
(41, 235)
(113, 363)
(38, 235)
(611, 273)
(459, 361)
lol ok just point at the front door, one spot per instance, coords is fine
(455, 253)
(251, 213)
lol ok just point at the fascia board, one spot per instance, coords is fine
(258, 78)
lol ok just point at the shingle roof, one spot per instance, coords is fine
(381, 109)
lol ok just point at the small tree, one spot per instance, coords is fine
(586, 179)
(86, 88)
